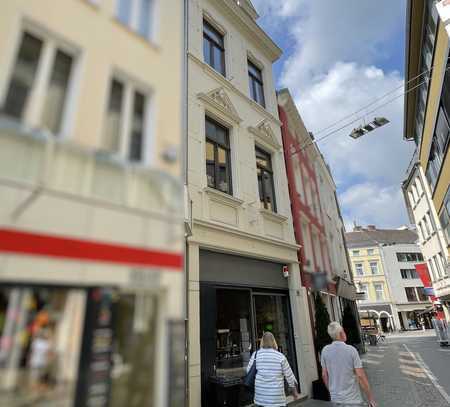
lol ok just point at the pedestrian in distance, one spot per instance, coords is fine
(342, 371)
(272, 368)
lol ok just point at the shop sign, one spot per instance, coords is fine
(443, 8)
(94, 380)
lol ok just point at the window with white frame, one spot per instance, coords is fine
(364, 288)
(370, 252)
(39, 96)
(434, 275)
(137, 14)
(374, 267)
(359, 269)
(443, 263)
(437, 266)
(419, 186)
(379, 291)
(126, 128)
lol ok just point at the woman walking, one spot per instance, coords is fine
(272, 368)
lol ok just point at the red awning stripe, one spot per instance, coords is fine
(37, 244)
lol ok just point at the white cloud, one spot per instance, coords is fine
(372, 204)
(337, 50)
(380, 156)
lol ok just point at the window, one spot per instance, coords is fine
(443, 263)
(355, 252)
(408, 274)
(434, 275)
(444, 217)
(421, 294)
(409, 257)
(359, 269)
(256, 84)
(411, 294)
(437, 266)
(213, 48)
(265, 179)
(136, 14)
(218, 162)
(374, 267)
(125, 123)
(370, 252)
(364, 288)
(58, 67)
(438, 148)
(23, 75)
(427, 226)
(56, 93)
(379, 291)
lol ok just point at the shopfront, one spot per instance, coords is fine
(240, 299)
(76, 346)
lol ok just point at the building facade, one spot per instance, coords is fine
(91, 234)
(317, 221)
(383, 262)
(241, 226)
(426, 121)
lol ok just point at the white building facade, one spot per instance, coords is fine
(432, 241)
(241, 229)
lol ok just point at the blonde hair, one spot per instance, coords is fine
(268, 341)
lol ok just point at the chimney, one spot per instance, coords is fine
(371, 227)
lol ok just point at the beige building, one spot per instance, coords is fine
(242, 257)
(427, 122)
(91, 232)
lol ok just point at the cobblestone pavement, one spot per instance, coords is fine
(398, 378)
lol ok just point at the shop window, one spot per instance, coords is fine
(134, 351)
(41, 333)
(232, 322)
(265, 180)
(256, 83)
(218, 161)
(213, 48)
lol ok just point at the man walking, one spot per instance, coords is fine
(342, 371)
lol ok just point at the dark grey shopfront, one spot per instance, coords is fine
(240, 298)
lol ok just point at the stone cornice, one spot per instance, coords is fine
(241, 18)
(264, 134)
(219, 100)
(238, 232)
(221, 197)
(276, 217)
(229, 86)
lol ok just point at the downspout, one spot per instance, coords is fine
(185, 144)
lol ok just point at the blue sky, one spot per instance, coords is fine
(338, 57)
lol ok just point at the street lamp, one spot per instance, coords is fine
(361, 130)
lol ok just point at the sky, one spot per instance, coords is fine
(338, 57)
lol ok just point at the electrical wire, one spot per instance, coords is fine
(375, 101)
(362, 117)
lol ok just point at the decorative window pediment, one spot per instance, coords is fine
(219, 100)
(264, 134)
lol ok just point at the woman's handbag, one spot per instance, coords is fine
(249, 379)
